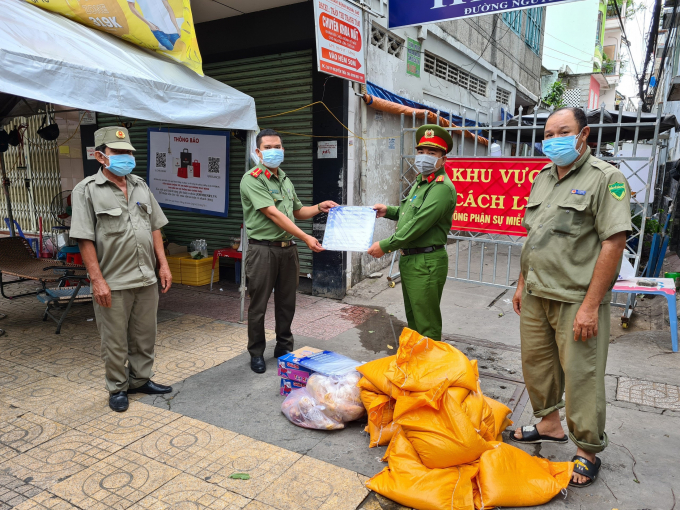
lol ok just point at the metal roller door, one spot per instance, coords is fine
(278, 83)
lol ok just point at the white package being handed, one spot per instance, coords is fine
(326, 403)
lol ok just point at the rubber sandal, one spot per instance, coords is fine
(530, 435)
(583, 466)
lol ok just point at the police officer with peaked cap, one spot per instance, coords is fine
(423, 222)
(117, 222)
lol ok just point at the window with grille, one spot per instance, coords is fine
(503, 96)
(454, 74)
(387, 41)
(533, 32)
(514, 20)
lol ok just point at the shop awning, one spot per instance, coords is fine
(47, 57)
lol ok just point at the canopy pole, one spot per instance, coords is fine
(5, 189)
(244, 234)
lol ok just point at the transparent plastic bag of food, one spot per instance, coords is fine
(339, 394)
(304, 411)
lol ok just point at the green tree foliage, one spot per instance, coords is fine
(555, 95)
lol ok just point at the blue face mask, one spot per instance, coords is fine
(272, 158)
(562, 150)
(120, 164)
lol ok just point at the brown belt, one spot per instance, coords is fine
(279, 244)
(414, 251)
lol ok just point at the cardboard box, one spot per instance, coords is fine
(327, 363)
(291, 361)
(287, 386)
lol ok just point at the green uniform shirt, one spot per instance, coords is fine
(424, 217)
(566, 222)
(261, 188)
(121, 230)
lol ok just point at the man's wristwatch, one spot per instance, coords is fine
(319, 207)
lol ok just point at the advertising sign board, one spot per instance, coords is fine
(406, 13)
(339, 39)
(492, 193)
(188, 169)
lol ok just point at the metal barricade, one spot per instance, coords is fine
(475, 251)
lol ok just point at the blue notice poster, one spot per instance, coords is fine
(406, 13)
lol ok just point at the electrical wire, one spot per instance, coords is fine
(651, 48)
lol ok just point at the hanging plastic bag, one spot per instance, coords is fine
(423, 363)
(510, 477)
(413, 485)
(304, 411)
(339, 395)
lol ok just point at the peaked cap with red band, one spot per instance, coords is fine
(431, 135)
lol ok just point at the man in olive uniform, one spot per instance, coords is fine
(270, 208)
(117, 222)
(577, 217)
(423, 222)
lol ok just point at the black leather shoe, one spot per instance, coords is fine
(280, 352)
(257, 365)
(119, 401)
(151, 388)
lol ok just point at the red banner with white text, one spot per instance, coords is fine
(492, 192)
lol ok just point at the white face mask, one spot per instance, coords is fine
(426, 164)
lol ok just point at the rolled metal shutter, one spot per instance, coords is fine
(278, 83)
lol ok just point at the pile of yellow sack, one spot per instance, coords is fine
(445, 446)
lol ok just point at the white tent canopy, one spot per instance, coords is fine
(48, 57)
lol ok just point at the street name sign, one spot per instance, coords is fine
(339, 39)
(407, 13)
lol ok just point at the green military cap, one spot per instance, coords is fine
(431, 135)
(115, 137)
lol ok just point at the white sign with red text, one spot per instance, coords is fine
(188, 169)
(339, 39)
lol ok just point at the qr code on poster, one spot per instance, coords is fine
(214, 165)
(160, 159)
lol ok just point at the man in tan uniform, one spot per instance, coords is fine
(577, 218)
(117, 222)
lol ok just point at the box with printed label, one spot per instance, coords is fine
(287, 386)
(300, 375)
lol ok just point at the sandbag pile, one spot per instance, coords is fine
(445, 446)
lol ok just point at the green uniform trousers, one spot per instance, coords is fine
(271, 268)
(555, 365)
(128, 333)
(422, 282)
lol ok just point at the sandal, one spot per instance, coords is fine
(530, 435)
(584, 467)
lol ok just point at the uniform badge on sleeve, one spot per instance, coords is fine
(617, 190)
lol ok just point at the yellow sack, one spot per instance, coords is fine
(411, 484)
(440, 431)
(500, 413)
(509, 477)
(165, 27)
(422, 364)
(377, 373)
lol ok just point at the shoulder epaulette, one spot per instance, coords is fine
(256, 173)
(604, 165)
(440, 178)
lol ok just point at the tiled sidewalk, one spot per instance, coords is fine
(62, 448)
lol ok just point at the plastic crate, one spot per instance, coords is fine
(197, 272)
(175, 266)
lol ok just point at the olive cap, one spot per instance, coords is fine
(114, 137)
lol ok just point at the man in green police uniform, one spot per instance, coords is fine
(270, 208)
(117, 222)
(423, 222)
(576, 218)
